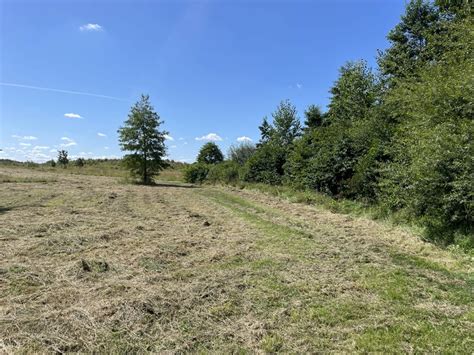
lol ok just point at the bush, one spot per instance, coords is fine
(266, 165)
(226, 172)
(196, 173)
(433, 169)
(79, 162)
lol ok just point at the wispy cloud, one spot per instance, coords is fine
(168, 137)
(40, 147)
(91, 27)
(68, 142)
(299, 86)
(72, 115)
(72, 92)
(25, 144)
(209, 137)
(244, 139)
(26, 138)
(101, 134)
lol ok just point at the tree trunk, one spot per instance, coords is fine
(145, 175)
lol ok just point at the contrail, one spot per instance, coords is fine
(63, 91)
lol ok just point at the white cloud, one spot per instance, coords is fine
(25, 144)
(173, 146)
(68, 142)
(52, 150)
(244, 139)
(72, 115)
(168, 137)
(209, 137)
(101, 134)
(106, 148)
(40, 147)
(91, 27)
(26, 138)
(299, 86)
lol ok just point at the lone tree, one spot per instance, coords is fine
(141, 136)
(62, 158)
(210, 154)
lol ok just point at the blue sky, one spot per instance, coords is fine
(70, 70)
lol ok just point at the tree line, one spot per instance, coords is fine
(399, 137)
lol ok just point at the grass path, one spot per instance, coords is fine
(89, 264)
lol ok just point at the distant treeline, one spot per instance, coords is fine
(399, 138)
(111, 163)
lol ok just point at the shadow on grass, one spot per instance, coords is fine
(173, 184)
(5, 209)
(162, 183)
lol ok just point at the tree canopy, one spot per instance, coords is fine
(142, 138)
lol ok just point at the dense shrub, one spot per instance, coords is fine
(226, 172)
(79, 162)
(196, 173)
(266, 165)
(432, 172)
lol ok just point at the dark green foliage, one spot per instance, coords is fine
(241, 153)
(334, 158)
(266, 132)
(51, 163)
(226, 172)
(353, 94)
(79, 162)
(401, 141)
(432, 173)
(266, 165)
(196, 173)
(314, 117)
(210, 154)
(63, 158)
(141, 136)
(409, 40)
(286, 125)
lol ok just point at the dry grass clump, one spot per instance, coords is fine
(89, 264)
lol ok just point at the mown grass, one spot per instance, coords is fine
(94, 265)
(21, 179)
(418, 305)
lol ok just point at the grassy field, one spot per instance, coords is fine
(90, 263)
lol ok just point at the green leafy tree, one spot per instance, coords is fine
(266, 165)
(432, 168)
(286, 125)
(63, 159)
(142, 137)
(353, 94)
(210, 154)
(266, 132)
(409, 40)
(314, 117)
